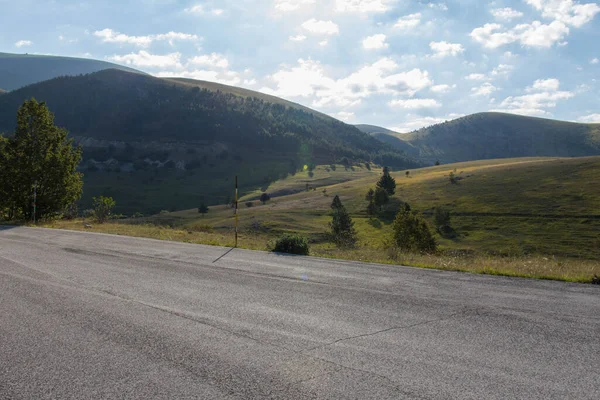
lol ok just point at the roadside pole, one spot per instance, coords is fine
(236, 211)
(34, 200)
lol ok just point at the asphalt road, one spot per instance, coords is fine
(93, 316)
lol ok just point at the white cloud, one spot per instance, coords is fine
(110, 36)
(534, 34)
(210, 60)
(442, 88)
(145, 59)
(484, 90)
(23, 43)
(344, 115)
(475, 77)
(545, 95)
(443, 49)
(363, 6)
(502, 70)
(291, 5)
(321, 27)
(544, 85)
(374, 42)
(568, 12)
(323, 43)
(594, 61)
(199, 9)
(592, 118)
(309, 79)
(225, 77)
(412, 124)
(408, 21)
(415, 103)
(297, 38)
(506, 13)
(438, 6)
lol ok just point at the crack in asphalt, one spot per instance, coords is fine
(386, 330)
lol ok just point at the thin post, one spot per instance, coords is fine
(34, 200)
(236, 211)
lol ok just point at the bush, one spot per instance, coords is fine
(292, 244)
(411, 233)
(103, 207)
(249, 204)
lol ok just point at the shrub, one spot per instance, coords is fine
(411, 233)
(264, 198)
(292, 244)
(441, 217)
(103, 207)
(70, 211)
(249, 204)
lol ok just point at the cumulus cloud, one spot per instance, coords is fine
(534, 34)
(201, 10)
(110, 36)
(544, 94)
(309, 79)
(502, 70)
(443, 49)
(441, 88)
(568, 12)
(344, 115)
(363, 6)
(297, 38)
(374, 42)
(225, 77)
(484, 90)
(148, 60)
(214, 60)
(414, 103)
(506, 13)
(438, 6)
(408, 21)
(544, 85)
(475, 77)
(23, 43)
(321, 27)
(413, 123)
(594, 61)
(291, 5)
(592, 118)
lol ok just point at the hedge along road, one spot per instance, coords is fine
(88, 316)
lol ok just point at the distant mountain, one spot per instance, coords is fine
(372, 129)
(2, 91)
(18, 70)
(157, 143)
(497, 135)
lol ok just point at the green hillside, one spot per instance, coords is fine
(163, 144)
(18, 70)
(497, 135)
(373, 129)
(528, 216)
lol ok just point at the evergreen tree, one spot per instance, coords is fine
(411, 233)
(370, 195)
(342, 226)
(371, 208)
(203, 209)
(386, 182)
(38, 157)
(381, 198)
(264, 198)
(336, 203)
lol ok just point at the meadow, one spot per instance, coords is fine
(532, 217)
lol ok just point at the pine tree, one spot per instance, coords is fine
(411, 233)
(386, 182)
(380, 198)
(370, 195)
(264, 198)
(336, 203)
(342, 226)
(203, 209)
(39, 156)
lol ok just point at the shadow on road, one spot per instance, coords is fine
(7, 227)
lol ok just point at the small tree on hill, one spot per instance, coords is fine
(407, 173)
(437, 162)
(103, 208)
(203, 209)
(411, 233)
(381, 198)
(342, 227)
(441, 217)
(370, 195)
(336, 203)
(386, 182)
(264, 198)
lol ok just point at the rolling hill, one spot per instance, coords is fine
(18, 70)
(496, 135)
(156, 144)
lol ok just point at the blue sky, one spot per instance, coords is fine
(396, 63)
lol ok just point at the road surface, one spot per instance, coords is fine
(93, 316)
